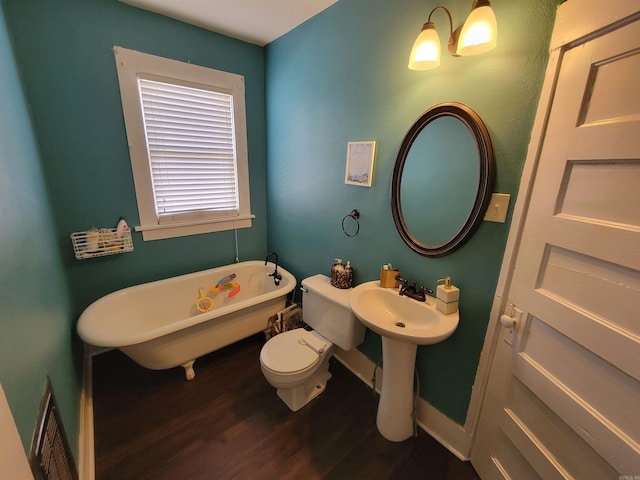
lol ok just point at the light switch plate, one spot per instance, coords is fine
(497, 210)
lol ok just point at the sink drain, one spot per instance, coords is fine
(400, 324)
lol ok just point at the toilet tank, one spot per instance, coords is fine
(326, 309)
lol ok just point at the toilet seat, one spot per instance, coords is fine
(287, 353)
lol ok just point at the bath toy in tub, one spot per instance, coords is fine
(226, 280)
(204, 303)
(233, 286)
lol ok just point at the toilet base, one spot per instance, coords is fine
(297, 397)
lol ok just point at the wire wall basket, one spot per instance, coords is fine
(98, 243)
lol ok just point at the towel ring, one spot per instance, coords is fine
(355, 214)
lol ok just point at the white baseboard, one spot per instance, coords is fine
(450, 434)
(86, 451)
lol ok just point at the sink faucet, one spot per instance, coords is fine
(413, 291)
(276, 276)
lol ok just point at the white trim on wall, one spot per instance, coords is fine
(86, 444)
(133, 66)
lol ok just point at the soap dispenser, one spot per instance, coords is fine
(341, 275)
(447, 297)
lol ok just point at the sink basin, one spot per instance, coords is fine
(403, 323)
(403, 318)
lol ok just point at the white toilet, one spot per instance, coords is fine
(297, 362)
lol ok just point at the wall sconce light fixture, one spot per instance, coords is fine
(477, 35)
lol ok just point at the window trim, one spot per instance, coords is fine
(132, 64)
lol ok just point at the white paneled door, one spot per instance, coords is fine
(563, 398)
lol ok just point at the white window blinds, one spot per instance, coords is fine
(191, 147)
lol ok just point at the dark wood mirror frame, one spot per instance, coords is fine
(486, 166)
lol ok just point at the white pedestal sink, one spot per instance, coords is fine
(404, 324)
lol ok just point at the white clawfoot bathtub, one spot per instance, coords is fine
(158, 325)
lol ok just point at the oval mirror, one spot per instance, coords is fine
(442, 179)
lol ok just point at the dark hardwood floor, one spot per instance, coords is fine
(228, 423)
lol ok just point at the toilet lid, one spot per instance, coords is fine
(284, 353)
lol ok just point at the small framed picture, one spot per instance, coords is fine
(359, 169)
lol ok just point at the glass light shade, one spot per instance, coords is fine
(425, 53)
(479, 32)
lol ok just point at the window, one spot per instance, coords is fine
(186, 130)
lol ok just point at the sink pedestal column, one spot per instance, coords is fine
(395, 410)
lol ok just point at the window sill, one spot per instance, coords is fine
(160, 232)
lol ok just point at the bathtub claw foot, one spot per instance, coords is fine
(189, 373)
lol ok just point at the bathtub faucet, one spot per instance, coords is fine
(276, 276)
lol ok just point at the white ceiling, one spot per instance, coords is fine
(254, 21)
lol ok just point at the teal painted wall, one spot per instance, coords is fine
(35, 318)
(342, 76)
(64, 50)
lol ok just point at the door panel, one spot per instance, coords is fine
(563, 397)
(605, 322)
(584, 374)
(544, 427)
(584, 187)
(510, 463)
(616, 75)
